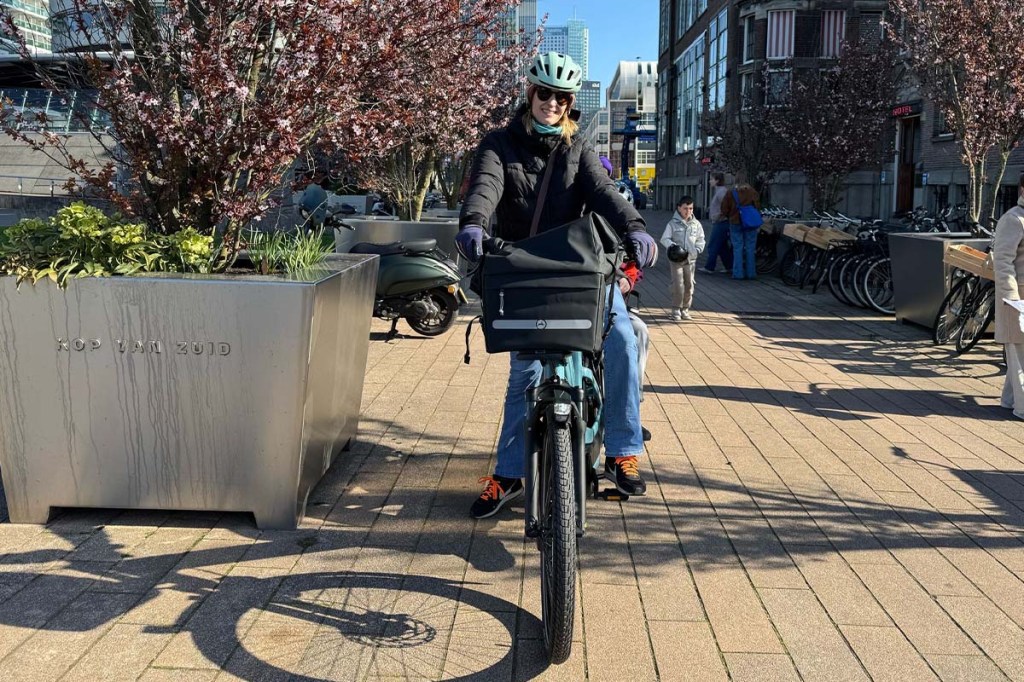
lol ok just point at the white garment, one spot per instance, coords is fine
(688, 234)
(1013, 385)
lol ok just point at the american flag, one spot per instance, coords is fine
(780, 34)
(833, 30)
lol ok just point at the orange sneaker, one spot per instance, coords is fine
(625, 471)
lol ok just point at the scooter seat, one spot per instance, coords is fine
(414, 246)
(420, 245)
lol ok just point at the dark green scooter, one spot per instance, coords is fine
(418, 282)
(415, 280)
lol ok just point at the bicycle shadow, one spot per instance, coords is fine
(300, 626)
(327, 615)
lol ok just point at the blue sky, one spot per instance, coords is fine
(619, 29)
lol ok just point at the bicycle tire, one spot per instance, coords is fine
(878, 286)
(790, 267)
(813, 260)
(824, 265)
(766, 260)
(949, 319)
(833, 279)
(984, 312)
(558, 543)
(847, 282)
(858, 281)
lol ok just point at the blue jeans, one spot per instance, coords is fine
(744, 244)
(717, 246)
(622, 435)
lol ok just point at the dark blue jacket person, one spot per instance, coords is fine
(507, 173)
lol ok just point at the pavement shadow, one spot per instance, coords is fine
(718, 519)
(846, 403)
(872, 349)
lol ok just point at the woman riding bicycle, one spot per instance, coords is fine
(506, 182)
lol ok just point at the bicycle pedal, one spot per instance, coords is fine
(613, 495)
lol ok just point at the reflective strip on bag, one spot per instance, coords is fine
(542, 324)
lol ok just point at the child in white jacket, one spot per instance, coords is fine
(684, 241)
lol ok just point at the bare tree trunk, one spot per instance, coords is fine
(442, 179)
(1004, 158)
(976, 187)
(422, 184)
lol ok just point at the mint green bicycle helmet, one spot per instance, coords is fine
(556, 72)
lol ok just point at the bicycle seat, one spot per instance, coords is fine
(413, 247)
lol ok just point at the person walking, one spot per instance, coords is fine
(684, 239)
(1008, 263)
(744, 241)
(506, 182)
(718, 243)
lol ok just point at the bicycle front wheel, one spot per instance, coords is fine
(878, 286)
(984, 302)
(950, 317)
(792, 265)
(558, 542)
(765, 258)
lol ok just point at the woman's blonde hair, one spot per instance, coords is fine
(569, 126)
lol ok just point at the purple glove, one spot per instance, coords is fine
(470, 242)
(645, 249)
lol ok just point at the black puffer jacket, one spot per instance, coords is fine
(507, 173)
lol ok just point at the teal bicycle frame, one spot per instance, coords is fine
(570, 390)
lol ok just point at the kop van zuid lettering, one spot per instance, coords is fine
(149, 347)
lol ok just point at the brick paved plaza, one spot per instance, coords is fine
(831, 498)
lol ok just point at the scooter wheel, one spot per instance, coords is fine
(440, 322)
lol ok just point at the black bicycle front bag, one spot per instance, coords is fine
(548, 292)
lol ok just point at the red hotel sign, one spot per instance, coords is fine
(901, 110)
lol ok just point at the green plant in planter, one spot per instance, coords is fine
(82, 241)
(282, 252)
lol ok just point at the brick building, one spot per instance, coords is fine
(712, 51)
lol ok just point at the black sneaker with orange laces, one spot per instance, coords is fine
(497, 491)
(625, 472)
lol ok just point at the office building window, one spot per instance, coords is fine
(665, 25)
(663, 113)
(718, 32)
(691, 96)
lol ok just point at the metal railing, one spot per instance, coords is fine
(33, 182)
(72, 112)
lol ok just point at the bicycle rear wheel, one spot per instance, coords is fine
(950, 317)
(984, 312)
(558, 542)
(878, 286)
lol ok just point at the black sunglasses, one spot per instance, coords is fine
(544, 94)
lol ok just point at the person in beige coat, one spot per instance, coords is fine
(1008, 262)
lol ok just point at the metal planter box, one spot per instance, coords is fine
(920, 279)
(202, 392)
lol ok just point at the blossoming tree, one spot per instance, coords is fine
(836, 118)
(212, 101)
(968, 56)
